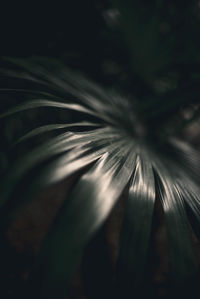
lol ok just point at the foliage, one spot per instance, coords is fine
(114, 140)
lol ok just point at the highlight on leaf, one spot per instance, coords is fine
(111, 152)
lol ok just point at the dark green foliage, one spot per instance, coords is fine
(129, 138)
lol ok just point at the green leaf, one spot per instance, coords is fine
(182, 262)
(46, 103)
(190, 193)
(47, 128)
(83, 213)
(104, 105)
(61, 168)
(136, 228)
(188, 159)
(55, 146)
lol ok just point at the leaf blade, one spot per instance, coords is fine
(182, 262)
(136, 229)
(102, 185)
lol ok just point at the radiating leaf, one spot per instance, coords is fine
(55, 146)
(46, 103)
(190, 193)
(181, 254)
(51, 127)
(188, 158)
(136, 229)
(85, 210)
(111, 156)
(61, 168)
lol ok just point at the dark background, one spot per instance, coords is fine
(76, 32)
(89, 37)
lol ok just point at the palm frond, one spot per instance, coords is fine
(118, 152)
(95, 195)
(136, 230)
